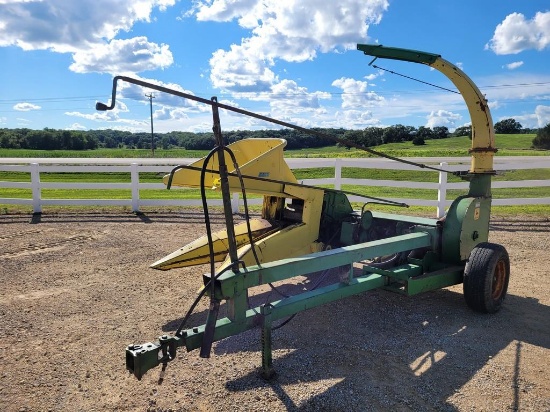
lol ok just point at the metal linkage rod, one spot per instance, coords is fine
(265, 179)
(103, 107)
(210, 326)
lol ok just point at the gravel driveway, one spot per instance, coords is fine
(76, 289)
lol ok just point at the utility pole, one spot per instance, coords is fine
(151, 97)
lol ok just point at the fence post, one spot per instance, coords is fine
(134, 178)
(35, 187)
(338, 173)
(442, 191)
(235, 203)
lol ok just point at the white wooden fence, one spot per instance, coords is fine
(136, 166)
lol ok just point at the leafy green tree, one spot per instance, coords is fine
(418, 141)
(372, 136)
(109, 142)
(354, 136)
(542, 140)
(165, 142)
(9, 139)
(508, 126)
(396, 134)
(411, 132)
(424, 133)
(77, 141)
(441, 132)
(91, 143)
(463, 131)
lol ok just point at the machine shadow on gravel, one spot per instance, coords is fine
(347, 347)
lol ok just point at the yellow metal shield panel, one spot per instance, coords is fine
(255, 157)
(198, 252)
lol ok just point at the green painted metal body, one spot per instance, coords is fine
(466, 225)
(395, 53)
(405, 254)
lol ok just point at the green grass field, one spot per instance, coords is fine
(508, 145)
(103, 153)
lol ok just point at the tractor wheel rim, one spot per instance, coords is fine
(499, 278)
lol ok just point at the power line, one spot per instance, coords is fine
(506, 86)
(51, 99)
(91, 98)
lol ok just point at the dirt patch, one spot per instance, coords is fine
(76, 289)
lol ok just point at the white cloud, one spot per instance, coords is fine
(543, 115)
(167, 113)
(241, 70)
(442, 118)
(132, 91)
(23, 122)
(26, 107)
(516, 34)
(355, 94)
(494, 104)
(287, 99)
(289, 31)
(76, 126)
(110, 115)
(125, 128)
(356, 119)
(224, 10)
(540, 118)
(514, 65)
(373, 76)
(70, 26)
(85, 28)
(122, 56)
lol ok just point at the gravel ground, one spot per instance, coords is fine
(76, 289)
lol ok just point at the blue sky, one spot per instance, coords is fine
(292, 60)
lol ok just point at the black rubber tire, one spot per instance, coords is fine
(486, 277)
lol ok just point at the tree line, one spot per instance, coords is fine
(53, 139)
(47, 139)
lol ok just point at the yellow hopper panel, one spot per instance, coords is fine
(255, 157)
(289, 242)
(197, 252)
